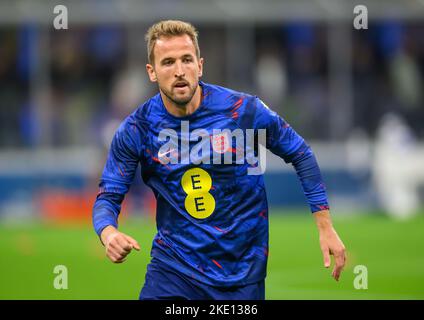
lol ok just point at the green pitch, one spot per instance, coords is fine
(392, 251)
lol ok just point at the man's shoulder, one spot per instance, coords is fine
(147, 109)
(142, 116)
(226, 92)
(229, 99)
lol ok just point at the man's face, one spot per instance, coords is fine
(176, 68)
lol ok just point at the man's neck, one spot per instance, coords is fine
(183, 110)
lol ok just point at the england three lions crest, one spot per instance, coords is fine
(221, 142)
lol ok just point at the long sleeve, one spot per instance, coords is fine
(118, 174)
(284, 141)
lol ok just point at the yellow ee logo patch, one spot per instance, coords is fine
(196, 183)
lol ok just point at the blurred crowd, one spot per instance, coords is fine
(72, 87)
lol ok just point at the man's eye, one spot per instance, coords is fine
(187, 60)
(167, 63)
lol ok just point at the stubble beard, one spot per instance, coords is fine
(180, 102)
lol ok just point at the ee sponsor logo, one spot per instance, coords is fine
(197, 183)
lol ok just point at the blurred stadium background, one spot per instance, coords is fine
(357, 96)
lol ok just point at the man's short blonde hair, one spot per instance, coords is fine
(169, 28)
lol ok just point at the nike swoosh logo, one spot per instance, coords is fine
(162, 154)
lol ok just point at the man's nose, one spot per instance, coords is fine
(179, 72)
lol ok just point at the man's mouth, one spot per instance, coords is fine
(181, 84)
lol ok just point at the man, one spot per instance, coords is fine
(212, 217)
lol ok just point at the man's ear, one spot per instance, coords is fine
(200, 67)
(151, 72)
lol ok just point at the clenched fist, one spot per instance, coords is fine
(118, 245)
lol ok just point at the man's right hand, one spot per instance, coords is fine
(118, 245)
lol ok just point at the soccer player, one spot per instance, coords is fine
(212, 214)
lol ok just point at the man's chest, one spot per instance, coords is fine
(208, 140)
